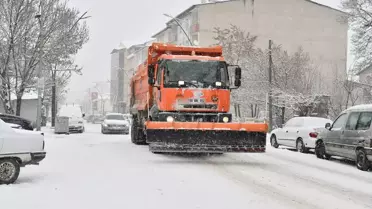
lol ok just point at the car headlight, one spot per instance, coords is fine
(104, 124)
(170, 119)
(225, 119)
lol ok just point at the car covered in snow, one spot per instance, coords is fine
(115, 123)
(299, 132)
(350, 136)
(18, 148)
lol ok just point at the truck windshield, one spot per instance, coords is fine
(196, 73)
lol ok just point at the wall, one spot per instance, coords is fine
(28, 109)
(117, 79)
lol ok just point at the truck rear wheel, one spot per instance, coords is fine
(137, 135)
(9, 171)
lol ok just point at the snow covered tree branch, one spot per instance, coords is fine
(35, 41)
(360, 18)
(294, 74)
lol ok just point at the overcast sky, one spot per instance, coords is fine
(127, 21)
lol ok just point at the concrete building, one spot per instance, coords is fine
(117, 79)
(318, 29)
(136, 55)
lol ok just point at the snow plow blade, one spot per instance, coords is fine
(206, 137)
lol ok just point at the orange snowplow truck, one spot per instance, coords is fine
(180, 102)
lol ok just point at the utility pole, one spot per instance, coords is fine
(270, 87)
(40, 80)
(54, 104)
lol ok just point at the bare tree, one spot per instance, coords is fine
(360, 18)
(293, 74)
(50, 38)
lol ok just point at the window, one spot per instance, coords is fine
(158, 75)
(352, 122)
(364, 121)
(339, 123)
(298, 122)
(196, 73)
(290, 123)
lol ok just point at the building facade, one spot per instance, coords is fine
(117, 77)
(318, 29)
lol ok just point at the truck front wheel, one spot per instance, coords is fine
(9, 171)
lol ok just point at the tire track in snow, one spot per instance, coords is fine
(284, 195)
(323, 168)
(353, 195)
(273, 193)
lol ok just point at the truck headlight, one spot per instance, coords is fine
(170, 119)
(225, 119)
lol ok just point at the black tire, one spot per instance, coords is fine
(320, 151)
(9, 171)
(137, 136)
(103, 131)
(273, 141)
(362, 161)
(300, 146)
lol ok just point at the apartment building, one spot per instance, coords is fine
(320, 30)
(117, 76)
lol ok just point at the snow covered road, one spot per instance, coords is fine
(95, 171)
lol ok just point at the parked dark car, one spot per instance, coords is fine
(24, 123)
(350, 136)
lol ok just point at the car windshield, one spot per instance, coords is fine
(115, 117)
(196, 73)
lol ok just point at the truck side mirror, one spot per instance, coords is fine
(151, 74)
(238, 83)
(83, 115)
(238, 73)
(238, 77)
(151, 81)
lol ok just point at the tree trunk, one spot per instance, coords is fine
(282, 117)
(19, 104)
(19, 101)
(5, 94)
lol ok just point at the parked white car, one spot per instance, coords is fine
(299, 132)
(18, 148)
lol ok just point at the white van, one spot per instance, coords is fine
(75, 115)
(18, 148)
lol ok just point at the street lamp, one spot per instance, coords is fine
(179, 24)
